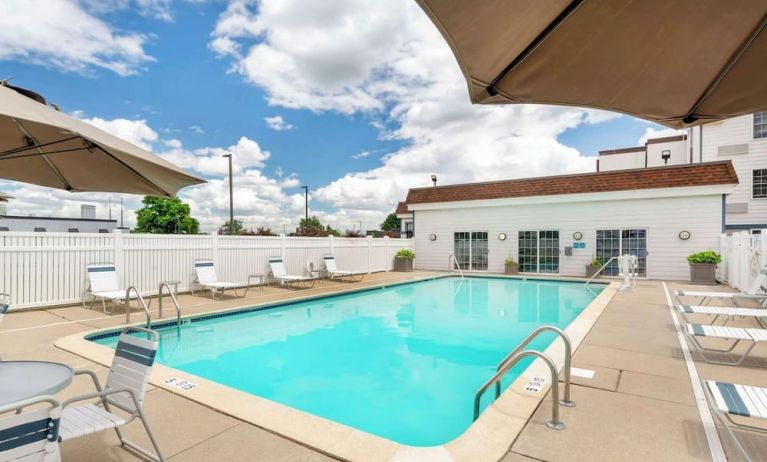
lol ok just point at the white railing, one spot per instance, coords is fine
(743, 254)
(42, 269)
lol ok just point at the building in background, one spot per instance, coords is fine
(406, 220)
(742, 140)
(86, 223)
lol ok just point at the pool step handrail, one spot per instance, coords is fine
(566, 401)
(141, 303)
(600, 270)
(554, 423)
(450, 260)
(172, 297)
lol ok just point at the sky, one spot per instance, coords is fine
(357, 99)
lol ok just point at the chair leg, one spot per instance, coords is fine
(727, 429)
(157, 456)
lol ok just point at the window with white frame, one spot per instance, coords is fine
(470, 249)
(539, 251)
(760, 125)
(759, 183)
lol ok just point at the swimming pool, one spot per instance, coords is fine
(402, 362)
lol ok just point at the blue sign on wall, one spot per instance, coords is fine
(579, 245)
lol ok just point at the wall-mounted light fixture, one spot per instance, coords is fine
(432, 237)
(502, 237)
(665, 155)
(577, 235)
(434, 180)
(684, 235)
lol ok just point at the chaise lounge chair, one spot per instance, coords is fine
(124, 390)
(292, 281)
(205, 276)
(728, 400)
(103, 285)
(738, 334)
(757, 291)
(5, 305)
(334, 273)
(728, 312)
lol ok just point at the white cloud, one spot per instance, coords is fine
(135, 131)
(277, 123)
(156, 9)
(387, 61)
(651, 133)
(196, 129)
(62, 34)
(361, 155)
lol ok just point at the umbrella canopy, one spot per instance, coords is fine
(679, 63)
(40, 145)
(4, 197)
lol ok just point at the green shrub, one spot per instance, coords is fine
(706, 256)
(509, 261)
(405, 254)
(597, 261)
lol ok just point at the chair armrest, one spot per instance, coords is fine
(101, 394)
(93, 376)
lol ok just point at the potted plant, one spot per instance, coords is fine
(403, 260)
(510, 266)
(703, 266)
(594, 265)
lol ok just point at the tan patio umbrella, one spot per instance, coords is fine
(40, 145)
(678, 62)
(4, 197)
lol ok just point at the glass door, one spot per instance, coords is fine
(539, 251)
(470, 249)
(462, 249)
(616, 242)
(478, 251)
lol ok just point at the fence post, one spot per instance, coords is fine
(386, 253)
(282, 247)
(119, 255)
(370, 253)
(214, 254)
(331, 244)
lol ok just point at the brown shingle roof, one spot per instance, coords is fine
(706, 174)
(401, 208)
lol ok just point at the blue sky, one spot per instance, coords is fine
(370, 99)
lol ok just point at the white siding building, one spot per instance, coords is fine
(557, 224)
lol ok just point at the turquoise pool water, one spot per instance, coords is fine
(402, 362)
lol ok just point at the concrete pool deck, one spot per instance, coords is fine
(638, 406)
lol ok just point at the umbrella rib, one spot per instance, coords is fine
(689, 117)
(22, 156)
(131, 169)
(63, 180)
(26, 148)
(545, 33)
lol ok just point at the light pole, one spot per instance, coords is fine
(306, 202)
(231, 198)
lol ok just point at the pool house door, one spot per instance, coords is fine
(470, 249)
(616, 242)
(539, 251)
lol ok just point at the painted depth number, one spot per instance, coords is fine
(535, 384)
(180, 384)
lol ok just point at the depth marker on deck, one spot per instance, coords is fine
(714, 443)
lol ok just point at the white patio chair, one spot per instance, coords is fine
(29, 433)
(103, 285)
(738, 334)
(729, 400)
(334, 273)
(757, 292)
(728, 312)
(5, 305)
(205, 276)
(291, 281)
(124, 391)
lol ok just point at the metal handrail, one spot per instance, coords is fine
(554, 423)
(600, 270)
(566, 401)
(450, 261)
(140, 302)
(173, 297)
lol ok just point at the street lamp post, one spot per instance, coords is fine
(231, 198)
(306, 202)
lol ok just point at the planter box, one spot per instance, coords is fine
(403, 264)
(591, 270)
(703, 273)
(511, 268)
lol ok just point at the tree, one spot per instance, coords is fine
(353, 233)
(313, 227)
(165, 215)
(263, 231)
(391, 222)
(233, 228)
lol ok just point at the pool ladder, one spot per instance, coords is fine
(172, 297)
(450, 260)
(141, 303)
(515, 356)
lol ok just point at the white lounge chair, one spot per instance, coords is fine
(205, 276)
(738, 334)
(124, 391)
(334, 273)
(29, 433)
(292, 281)
(728, 312)
(757, 291)
(5, 305)
(103, 285)
(728, 400)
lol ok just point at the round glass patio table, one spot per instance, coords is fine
(20, 380)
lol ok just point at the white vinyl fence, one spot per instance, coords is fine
(743, 256)
(41, 269)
